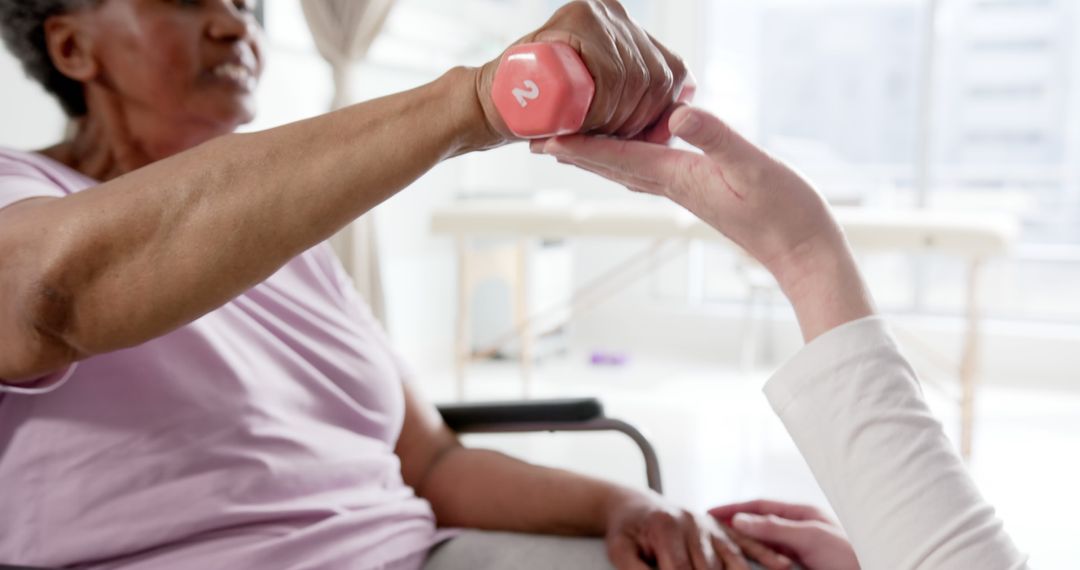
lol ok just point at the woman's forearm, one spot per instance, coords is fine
(138, 256)
(474, 488)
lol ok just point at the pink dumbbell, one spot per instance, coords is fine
(545, 90)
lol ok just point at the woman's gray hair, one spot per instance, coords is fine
(22, 25)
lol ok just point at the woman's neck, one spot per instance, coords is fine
(104, 148)
(99, 149)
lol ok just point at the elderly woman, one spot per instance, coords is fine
(189, 379)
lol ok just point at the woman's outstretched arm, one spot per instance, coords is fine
(140, 255)
(149, 251)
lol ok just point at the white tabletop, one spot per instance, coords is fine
(950, 232)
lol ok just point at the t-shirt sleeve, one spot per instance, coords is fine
(42, 385)
(18, 182)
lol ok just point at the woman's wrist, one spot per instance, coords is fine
(615, 503)
(822, 281)
(472, 121)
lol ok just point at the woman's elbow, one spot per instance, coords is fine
(39, 333)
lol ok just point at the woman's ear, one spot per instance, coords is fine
(70, 48)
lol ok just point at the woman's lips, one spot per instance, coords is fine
(239, 75)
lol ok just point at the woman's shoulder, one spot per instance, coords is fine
(28, 174)
(16, 161)
(33, 164)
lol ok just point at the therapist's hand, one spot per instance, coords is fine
(802, 531)
(755, 200)
(642, 529)
(637, 78)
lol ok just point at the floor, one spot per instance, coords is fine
(719, 442)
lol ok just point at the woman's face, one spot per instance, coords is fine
(184, 64)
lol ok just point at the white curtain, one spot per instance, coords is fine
(344, 31)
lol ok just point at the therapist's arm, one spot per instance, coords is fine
(758, 202)
(850, 400)
(853, 406)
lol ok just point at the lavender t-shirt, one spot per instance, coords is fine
(259, 436)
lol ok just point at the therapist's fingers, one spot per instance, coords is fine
(712, 135)
(660, 131)
(680, 175)
(730, 554)
(680, 172)
(619, 175)
(627, 180)
(768, 557)
(796, 535)
(790, 511)
(641, 160)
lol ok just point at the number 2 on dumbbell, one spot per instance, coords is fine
(530, 93)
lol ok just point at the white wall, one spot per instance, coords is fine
(29, 117)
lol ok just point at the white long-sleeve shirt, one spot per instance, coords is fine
(854, 407)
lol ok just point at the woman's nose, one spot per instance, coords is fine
(229, 23)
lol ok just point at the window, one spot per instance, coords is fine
(835, 87)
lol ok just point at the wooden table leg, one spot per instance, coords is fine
(463, 340)
(521, 318)
(969, 364)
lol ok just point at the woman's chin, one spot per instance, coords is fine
(226, 118)
(247, 116)
(239, 112)
(202, 128)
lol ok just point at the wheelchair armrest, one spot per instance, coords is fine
(578, 415)
(491, 415)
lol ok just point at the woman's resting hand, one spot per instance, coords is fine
(637, 78)
(643, 528)
(753, 199)
(800, 531)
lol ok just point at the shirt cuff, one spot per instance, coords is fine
(42, 385)
(824, 354)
